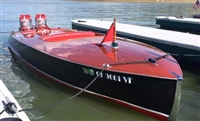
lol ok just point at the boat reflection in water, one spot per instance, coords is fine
(130, 73)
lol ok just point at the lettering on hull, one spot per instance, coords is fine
(108, 76)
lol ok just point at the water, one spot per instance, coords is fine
(34, 91)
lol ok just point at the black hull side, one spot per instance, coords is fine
(155, 96)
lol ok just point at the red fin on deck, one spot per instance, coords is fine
(109, 35)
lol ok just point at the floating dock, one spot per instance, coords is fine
(183, 46)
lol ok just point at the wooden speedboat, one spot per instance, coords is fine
(130, 73)
(9, 106)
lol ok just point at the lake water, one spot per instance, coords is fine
(34, 91)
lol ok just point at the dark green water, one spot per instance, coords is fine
(33, 91)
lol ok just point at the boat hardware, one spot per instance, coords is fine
(10, 107)
(149, 60)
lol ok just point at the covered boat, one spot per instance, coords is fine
(182, 24)
(130, 73)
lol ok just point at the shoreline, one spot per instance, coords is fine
(141, 1)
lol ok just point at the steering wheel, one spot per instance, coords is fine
(43, 30)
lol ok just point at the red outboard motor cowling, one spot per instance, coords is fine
(40, 20)
(25, 22)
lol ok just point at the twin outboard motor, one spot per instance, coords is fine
(40, 20)
(40, 28)
(26, 21)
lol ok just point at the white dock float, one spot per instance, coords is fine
(184, 40)
(4, 92)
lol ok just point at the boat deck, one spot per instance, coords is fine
(82, 47)
(179, 39)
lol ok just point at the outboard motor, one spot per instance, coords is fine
(41, 25)
(25, 22)
(40, 20)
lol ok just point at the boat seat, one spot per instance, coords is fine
(67, 35)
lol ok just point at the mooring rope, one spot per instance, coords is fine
(64, 100)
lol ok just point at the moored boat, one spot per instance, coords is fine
(182, 24)
(130, 73)
(9, 107)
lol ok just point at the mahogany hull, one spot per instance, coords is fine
(149, 95)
